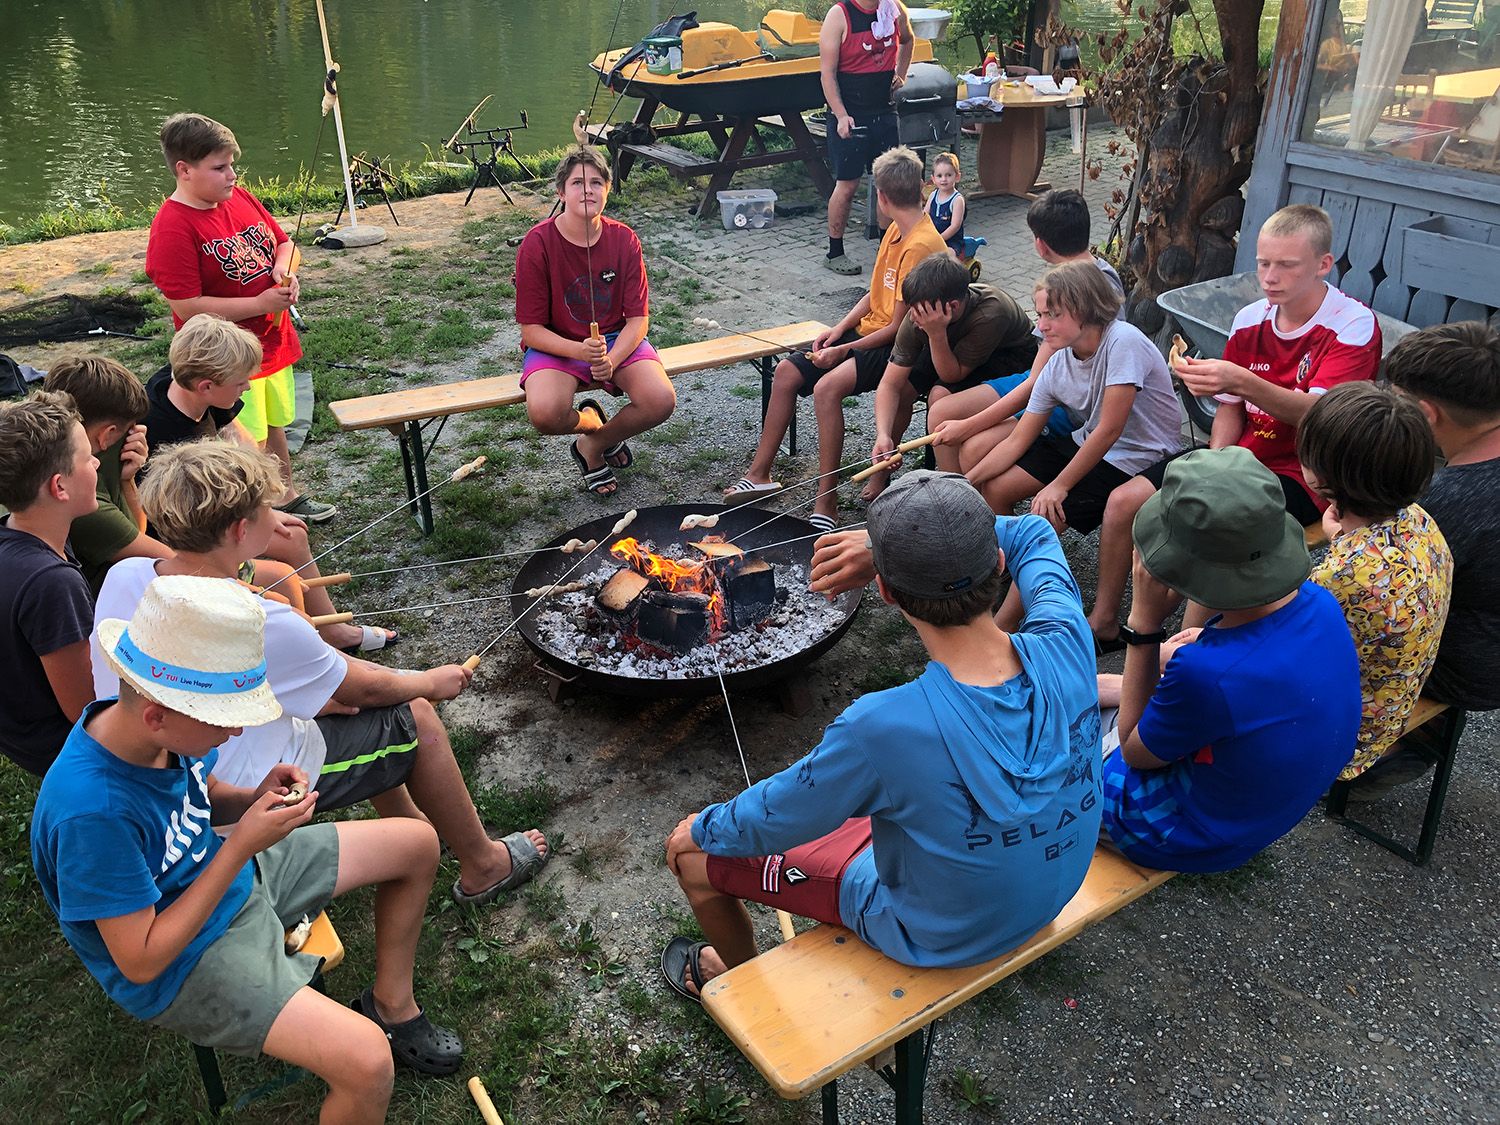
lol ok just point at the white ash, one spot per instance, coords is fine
(572, 628)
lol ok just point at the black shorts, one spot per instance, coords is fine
(369, 753)
(1084, 507)
(924, 376)
(869, 366)
(851, 157)
(1298, 503)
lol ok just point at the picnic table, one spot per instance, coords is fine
(1011, 146)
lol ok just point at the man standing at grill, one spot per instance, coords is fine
(864, 52)
(944, 821)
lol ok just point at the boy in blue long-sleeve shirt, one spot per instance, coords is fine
(944, 821)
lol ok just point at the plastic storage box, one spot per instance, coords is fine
(753, 208)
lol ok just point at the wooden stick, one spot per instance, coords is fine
(472, 662)
(894, 460)
(327, 580)
(331, 619)
(787, 933)
(482, 1100)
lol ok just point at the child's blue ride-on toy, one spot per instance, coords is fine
(971, 247)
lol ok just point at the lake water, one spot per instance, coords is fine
(87, 82)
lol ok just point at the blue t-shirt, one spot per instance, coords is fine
(983, 801)
(1256, 721)
(109, 838)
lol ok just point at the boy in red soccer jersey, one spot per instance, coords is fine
(1303, 338)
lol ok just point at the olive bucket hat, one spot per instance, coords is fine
(1219, 532)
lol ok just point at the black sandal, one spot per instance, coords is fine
(417, 1042)
(600, 481)
(679, 961)
(594, 405)
(618, 456)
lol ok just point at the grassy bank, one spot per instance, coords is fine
(281, 196)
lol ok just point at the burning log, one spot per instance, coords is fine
(621, 595)
(678, 622)
(749, 586)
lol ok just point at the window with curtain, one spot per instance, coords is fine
(1409, 80)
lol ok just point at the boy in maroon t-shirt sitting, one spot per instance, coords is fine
(214, 248)
(1302, 339)
(584, 307)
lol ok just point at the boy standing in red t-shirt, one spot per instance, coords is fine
(214, 248)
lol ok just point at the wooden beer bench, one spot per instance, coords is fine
(407, 413)
(820, 1004)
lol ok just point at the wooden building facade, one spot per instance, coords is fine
(1416, 239)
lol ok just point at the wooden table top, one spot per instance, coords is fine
(1467, 88)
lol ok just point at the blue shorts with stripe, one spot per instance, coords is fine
(368, 754)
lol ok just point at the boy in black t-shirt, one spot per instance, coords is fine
(48, 477)
(198, 394)
(1453, 373)
(197, 397)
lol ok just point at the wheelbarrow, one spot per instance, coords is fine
(1205, 312)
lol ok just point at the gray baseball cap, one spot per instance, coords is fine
(933, 535)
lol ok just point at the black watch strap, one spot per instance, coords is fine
(1131, 637)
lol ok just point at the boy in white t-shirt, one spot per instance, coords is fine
(363, 732)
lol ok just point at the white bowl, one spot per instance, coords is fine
(929, 23)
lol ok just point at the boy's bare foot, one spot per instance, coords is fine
(685, 962)
(874, 486)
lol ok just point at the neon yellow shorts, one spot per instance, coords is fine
(271, 401)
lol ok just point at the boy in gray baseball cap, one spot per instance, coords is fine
(944, 821)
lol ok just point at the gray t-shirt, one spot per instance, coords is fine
(1125, 356)
(1465, 501)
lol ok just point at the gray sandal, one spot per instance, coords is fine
(525, 861)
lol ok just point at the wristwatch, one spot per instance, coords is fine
(1131, 637)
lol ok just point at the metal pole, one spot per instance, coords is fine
(338, 120)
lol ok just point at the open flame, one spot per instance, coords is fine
(682, 577)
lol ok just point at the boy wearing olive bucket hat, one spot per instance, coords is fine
(184, 929)
(1226, 749)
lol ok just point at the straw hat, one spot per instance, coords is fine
(196, 645)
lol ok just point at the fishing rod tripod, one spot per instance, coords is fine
(369, 177)
(497, 140)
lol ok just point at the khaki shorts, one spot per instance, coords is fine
(270, 401)
(244, 980)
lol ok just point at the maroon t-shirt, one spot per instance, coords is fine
(552, 280)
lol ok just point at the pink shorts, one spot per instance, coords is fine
(804, 881)
(535, 360)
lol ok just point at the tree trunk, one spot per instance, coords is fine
(1199, 157)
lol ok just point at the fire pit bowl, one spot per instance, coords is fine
(660, 526)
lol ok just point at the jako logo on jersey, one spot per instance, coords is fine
(245, 256)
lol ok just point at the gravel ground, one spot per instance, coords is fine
(1330, 981)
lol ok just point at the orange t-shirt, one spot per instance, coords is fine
(894, 261)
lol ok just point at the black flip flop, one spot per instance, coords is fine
(618, 456)
(417, 1042)
(594, 405)
(679, 960)
(1104, 647)
(600, 481)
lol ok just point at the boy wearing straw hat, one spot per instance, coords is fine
(363, 732)
(1225, 749)
(944, 821)
(183, 928)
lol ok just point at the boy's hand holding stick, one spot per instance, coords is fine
(894, 461)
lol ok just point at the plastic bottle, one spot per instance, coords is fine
(992, 62)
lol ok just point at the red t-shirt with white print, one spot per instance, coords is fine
(1340, 344)
(223, 251)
